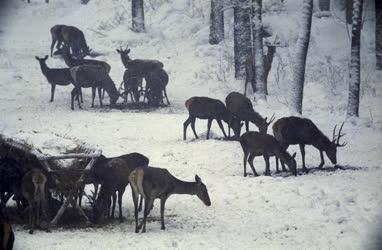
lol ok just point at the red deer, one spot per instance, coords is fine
(70, 36)
(93, 76)
(7, 237)
(242, 108)
(294, 130)
(34, 190)
(257, 144)
(208, 108)
(55, 76)
(153, 183)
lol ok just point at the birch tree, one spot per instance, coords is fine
(378, 33)
(354, 70)
(261, 87)
(138, 17)
(299, 57)
(216, 22)
(242, 37)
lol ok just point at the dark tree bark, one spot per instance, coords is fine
(378, 33)
(138, 16)
(355, 72)
(349, 11)
(216, 22)
(324, 5)
(268, 60)
(299, 58)
(261, 87)
(242, 37)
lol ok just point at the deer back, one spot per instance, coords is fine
(88, 74)
(205, 107)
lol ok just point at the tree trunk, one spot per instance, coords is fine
(216, 22)
(349, 11)
(355, 73)
(378, 33)
(324, 5)
(268, 59)
(299, 58)
(242, 37)
(261, 87)
(138, 15)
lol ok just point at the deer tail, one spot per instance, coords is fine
(39, 187)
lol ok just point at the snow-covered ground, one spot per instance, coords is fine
(323, 209)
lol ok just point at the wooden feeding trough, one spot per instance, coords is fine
(67, 178)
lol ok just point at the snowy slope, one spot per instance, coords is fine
(323, 209)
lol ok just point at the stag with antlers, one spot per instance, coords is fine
(295, 130)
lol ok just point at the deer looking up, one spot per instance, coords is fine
(295, 130)
(153, 183)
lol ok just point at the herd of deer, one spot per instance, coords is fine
(88, 73)
(114, 174)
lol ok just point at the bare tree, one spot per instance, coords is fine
(242, 36)
(378, 33)
(216, 22)
(138, 16)
(261, 87)
(324, 5)
(299, 57)
(354, 70)
(349, 11)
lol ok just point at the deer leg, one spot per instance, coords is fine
(148, 205)
(162, 204)
(114, 196)
(221, 127)
(245, 163)
(209, 128)
(120, 195)
(267, 167)
(93, 96)
(140, 204)
(277, 164)
(80, 194)
(193, 127)
(165, 95)
(100, 96)
(30, 212)
(52, 92)
(38, 208)
(80, 92)
(135, 201)
(185, 125)
(73, 94)
(322, 160)
(250, 160)
(247, 126)
(95, 190)
(302, 149)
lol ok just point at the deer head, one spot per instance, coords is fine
(264, 125)
(41, 60)
(124, 55)
(331, 152)
(202, 192)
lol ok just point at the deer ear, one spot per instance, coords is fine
(294, 155)
(118, 50)
(46, 57)
(128, 51)
(197, 179)
(37, 57)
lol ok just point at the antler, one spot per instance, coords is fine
(336, 139)
(270, 120)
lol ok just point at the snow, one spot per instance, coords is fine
(323, 209)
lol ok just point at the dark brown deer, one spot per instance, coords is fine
(295, 130)
(242, 108)
(210, 109)
(72, 37)
(257, 144)
(156, 82)
(34, 190)
(113, 174)
(71, 62)
(153, 183)
(46, 1)
(93, 76)
(56, 76)
(7, 237)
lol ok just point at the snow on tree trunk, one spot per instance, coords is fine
(242, 37)
(138, 15)
(216, 22)
(378, 33)
(261, 87)
(355, 73)
(299, 57)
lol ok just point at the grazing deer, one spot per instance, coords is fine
(7, 237)
(153, 89)
(113, 174)
(72, 37)
(242, 108)
(151, 70)
(55, 76)
(34, 191)
(208, 108)
(71, 62)
(153, 183)
(295, 130)
(92, 76)
(257, 144)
